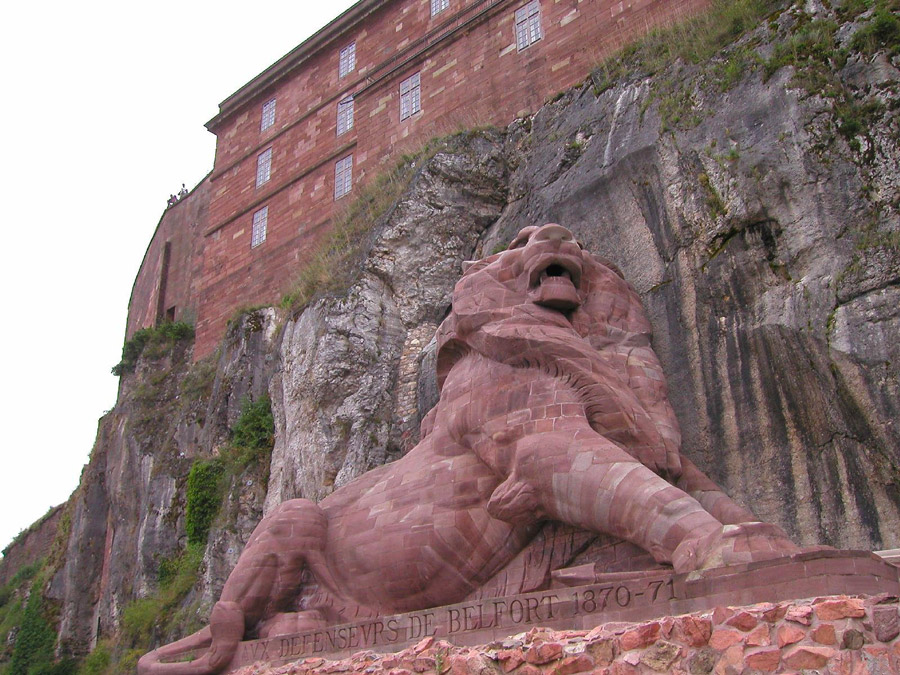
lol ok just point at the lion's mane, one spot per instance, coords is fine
(590, 348)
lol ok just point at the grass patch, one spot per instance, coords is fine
(146, 617)
(204, 496)
(694, 41)
(713, 199)
(881, 31)
(98, 661)
(155, 342)
(812, 45)
(36, 639)
(252, 438)
(197, 384)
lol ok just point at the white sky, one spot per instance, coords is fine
(103, 106)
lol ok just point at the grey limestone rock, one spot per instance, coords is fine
(764, 242)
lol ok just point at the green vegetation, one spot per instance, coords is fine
(713, 200)
(329, 266)
(252, 437)
(251, 443)
(254, 430)
(158, 613)
(811, 46)
(882, 31)
(709, 41)
(33, 652)
(197, 384)
(204, 496)
(154, 341)
(98, 661)
(693, 41)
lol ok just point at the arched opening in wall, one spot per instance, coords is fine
(170, 314)
(163, 282)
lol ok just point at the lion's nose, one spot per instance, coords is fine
(552, 232)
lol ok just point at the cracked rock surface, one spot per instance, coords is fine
(764, 242)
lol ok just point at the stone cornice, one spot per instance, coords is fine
(296, 58)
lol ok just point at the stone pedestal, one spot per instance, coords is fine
(580, 600)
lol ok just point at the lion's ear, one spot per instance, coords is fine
(466, 264)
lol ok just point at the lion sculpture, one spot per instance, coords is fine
(553, 407)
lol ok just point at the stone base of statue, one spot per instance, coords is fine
(579, 598)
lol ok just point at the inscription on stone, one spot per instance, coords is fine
(507, 613)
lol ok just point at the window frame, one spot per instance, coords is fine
(343, 177)
(345, 112)
(527, 25)
(260, 227)
(347, 60)
(267, 117)
(410, 96)
(438, 6)
(264, 167)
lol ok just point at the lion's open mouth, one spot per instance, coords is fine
(555, 272)
(554, 281)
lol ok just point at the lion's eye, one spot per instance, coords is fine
(522, 238)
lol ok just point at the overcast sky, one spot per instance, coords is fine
(103, 112)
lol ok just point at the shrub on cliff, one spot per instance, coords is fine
(255, 428)
(35, 640)
(156, 341)
(204, 495)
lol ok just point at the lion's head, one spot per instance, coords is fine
(545, 286)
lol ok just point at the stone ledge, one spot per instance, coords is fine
(611, 598)
(835, 634)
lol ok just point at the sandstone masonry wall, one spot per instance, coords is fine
(166, 284)
(835, 634)
(30, 546)
(471, 73)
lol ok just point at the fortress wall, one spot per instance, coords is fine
(471, 74)
(167, 282)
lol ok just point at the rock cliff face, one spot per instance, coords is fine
(762, 241)
(759, 227)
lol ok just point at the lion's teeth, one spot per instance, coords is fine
(543, 276)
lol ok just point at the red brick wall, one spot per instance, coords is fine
(182, 226)
(471, 74)
(30, 546)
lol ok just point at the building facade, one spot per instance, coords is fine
(294, 143)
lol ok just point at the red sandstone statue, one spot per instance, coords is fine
(553, 407)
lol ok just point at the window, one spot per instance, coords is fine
(347, 62)
(263, 167)
(268, 115)
(260, 221)
(410, 97)
(345, 116)
(343, 176)
(438, 6)
(528, 25)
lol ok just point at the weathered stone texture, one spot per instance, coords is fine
(128, 512)
(346, 391)
(609, 649)
(765, 255)
(31, 545)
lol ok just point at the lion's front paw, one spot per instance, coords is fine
(733, 545)
(226, 625)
